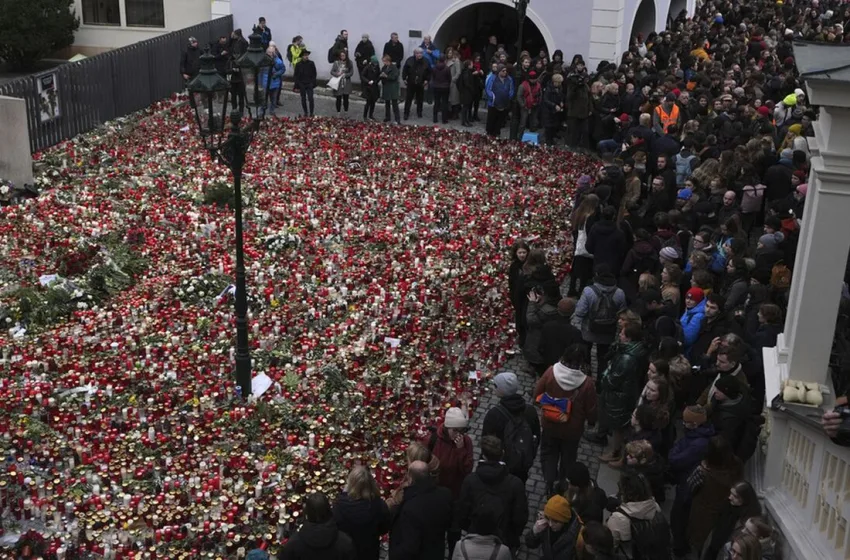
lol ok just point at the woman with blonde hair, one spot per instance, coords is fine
(671, 281)
(360, 512)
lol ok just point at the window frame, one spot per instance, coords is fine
(141, 5)
(95, 3)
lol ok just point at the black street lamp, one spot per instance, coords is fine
(209, 94)
(521, 8)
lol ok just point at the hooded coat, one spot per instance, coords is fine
(619, 385)
(364, 521)
(621, 526)
(481, 547)
(318, 541)
(560, 381)
(493, 478)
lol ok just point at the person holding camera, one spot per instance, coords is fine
(578, 105)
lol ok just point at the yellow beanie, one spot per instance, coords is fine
(558, 509)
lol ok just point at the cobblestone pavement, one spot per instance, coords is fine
(325, 106)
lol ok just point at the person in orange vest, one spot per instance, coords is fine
(665, 115)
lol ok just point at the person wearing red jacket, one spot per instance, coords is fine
(530, 93)
(560, 439)
(450, 444)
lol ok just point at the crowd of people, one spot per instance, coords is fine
(683, 247)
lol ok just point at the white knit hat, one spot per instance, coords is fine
(455, 418)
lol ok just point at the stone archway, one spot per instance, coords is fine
(644, 19)
(464, 16)
(676, 7)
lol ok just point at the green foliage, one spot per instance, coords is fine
(33, 29)
(219, 193)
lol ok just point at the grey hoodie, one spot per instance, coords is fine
(480, 547)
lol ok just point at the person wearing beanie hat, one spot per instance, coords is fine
(693, 317)
(669, 255)
(685, 455)
(450, 444)
(799, 199)
(557, 531)
(763, 112)
(769, 242)
(585, 497)
(511, 410)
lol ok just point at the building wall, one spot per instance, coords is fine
(320, 21)
(94, 39)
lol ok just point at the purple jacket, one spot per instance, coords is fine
(689, 451)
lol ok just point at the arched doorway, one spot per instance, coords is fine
(644, 22)
(477, 21)
(676, 7)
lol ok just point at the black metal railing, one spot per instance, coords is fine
(109, 85)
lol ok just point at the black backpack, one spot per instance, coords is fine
(289, 52)
(331, 58)
(517, 442)
(650, 537)
(490, 501)
(603, 313)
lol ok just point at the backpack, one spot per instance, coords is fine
(780, 276)
(603, 313)
(751, 199)
(493, 556)
(518, 442)
(289, 52)
(672, 241)
(554, 408)
(490, 501)
(331, 58)
(650, 537)
(684, 166)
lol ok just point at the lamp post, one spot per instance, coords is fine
(521, 8)
(229, 142)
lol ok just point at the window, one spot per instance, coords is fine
(145, 13)
(101, 12)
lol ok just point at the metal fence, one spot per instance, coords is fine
(79, 96)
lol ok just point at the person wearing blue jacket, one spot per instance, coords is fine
(277, 70)
(702, 242)
(499, 92)
(693, 317)
(430, 52)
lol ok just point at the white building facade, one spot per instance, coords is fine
(110, 24)
(596, 29)
(806, 477)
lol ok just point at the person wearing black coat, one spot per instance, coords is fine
(559, 333)
(425, 514)
(467, 87)
(370, 80)
(319, 538)
(511, 407)
(730, 410)
(395, 49)
(362, 514)
(606, 241)
(415, 74)
(490, 481)
(552, 109)
(363, 52)
(587, 499)
(238, 46)
(718, 322)
(441, 81)
(519, 252)
(190, 62)
(305, 81)
(534, 273)
(777, 179)
(743, 504)
(221, 51)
